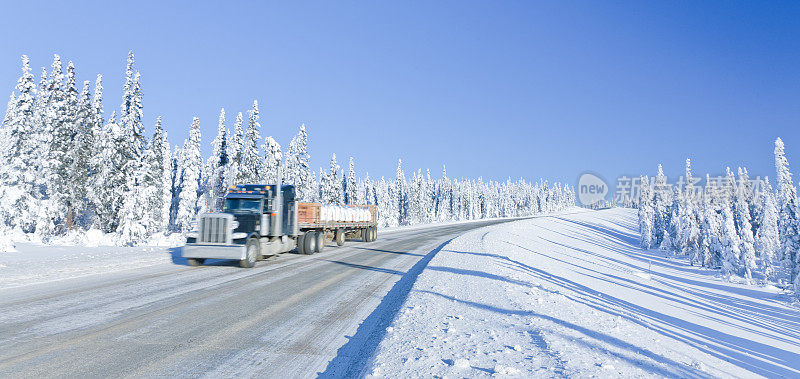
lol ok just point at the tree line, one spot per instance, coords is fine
(728, 225)
(70, 167)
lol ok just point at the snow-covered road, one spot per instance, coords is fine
(287, 317)
(574, 296)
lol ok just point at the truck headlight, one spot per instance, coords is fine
(238, 236)
(235, 224)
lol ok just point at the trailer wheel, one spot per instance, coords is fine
(300, 247)
(196, 261)
(339, 237)
(251, 254)
(320, 241)
(309, 243)
(373, 233)
(365, 235)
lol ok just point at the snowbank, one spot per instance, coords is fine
(79, 254)
(574, 296)
(86, 238)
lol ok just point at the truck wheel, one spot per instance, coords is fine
(339, 237)
(301, 239)
(373, 233)
(196, 261)
(320, 242)
(309, 243)
(365, 235)
(251, 254)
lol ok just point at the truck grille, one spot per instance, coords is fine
(214, 228)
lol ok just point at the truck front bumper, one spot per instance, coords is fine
(196, 250)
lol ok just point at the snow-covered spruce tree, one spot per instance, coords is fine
(252, 164)
(108, 185)
(716, 199)
(176, 181)
(218, 165)
(272, 160)
(96, 163)
(131, 114)
(350, 187)
(747, 259)
(399, 194)
(298, 166)
(159, 162)
(444, 197)
(458, 201)
(131, 143)
(415, 192)
(18, 197)
(661, 211)
(366, 191)
(744, 189)
(360, 193)
(131, 119)
(342, 182)
(788, 217)
(191, 164)
(235, 152)
(387, 204)
(331, 186)
(430, 197)
(730, 242)
(672, 240)
(689, 220)
(138, 212)
(767, 237)
(81, 158)
(64, 190)
(52, 116)
(646, 213)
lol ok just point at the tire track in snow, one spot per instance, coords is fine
(559, 368)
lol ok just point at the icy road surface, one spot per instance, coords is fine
(574, 296)
(288, 317)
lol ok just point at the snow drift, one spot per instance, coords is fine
(575, 296)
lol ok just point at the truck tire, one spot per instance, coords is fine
(373, 233)
(320, 242)
(301, 239)
(196, 261)
(339, 237)
(251, 255)
(365, 235)
(309, 243)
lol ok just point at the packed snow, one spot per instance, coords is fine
(575, 296)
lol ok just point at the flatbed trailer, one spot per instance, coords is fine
(310, 221)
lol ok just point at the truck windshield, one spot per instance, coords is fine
(242, 205)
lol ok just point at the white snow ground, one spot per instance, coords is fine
(574, 296)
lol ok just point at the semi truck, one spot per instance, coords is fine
(260, 220)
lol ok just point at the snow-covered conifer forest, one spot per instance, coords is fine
(749, 233)
(72, 166)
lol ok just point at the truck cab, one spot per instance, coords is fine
(256, 220)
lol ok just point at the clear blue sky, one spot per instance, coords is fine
(491, 88)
